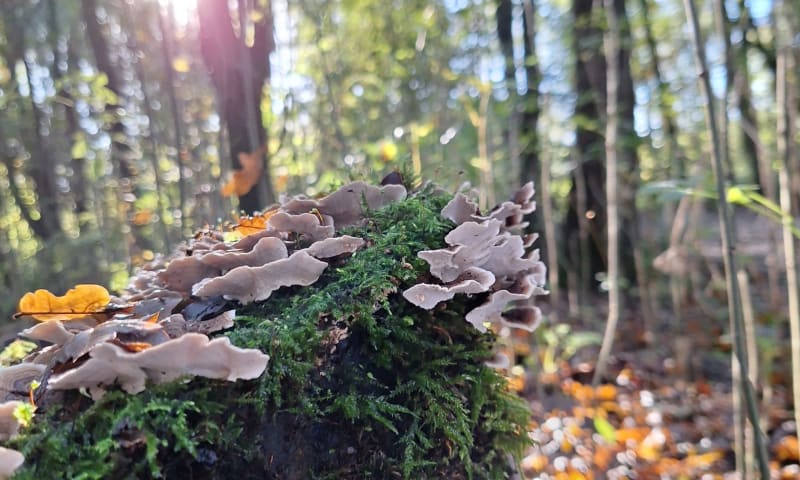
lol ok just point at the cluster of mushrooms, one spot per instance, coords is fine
(157, 330)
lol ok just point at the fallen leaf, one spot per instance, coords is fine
(787, 449)
(703, 460)
(79, 302)
(606, 392)
(605, 429)
(253, 224)
(244, 179)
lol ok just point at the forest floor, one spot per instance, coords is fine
(656, 415)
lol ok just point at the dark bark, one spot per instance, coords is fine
(627, 158)
(759, 166)
(584, 227)
(227, 59)
(504, 18)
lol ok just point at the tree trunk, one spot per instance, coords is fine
(61, 67)
(626, 150)
(227, 61)
(121, 157)
(584, 227)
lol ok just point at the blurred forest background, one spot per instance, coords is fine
(126, 126)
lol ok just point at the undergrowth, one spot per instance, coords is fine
(360, 384)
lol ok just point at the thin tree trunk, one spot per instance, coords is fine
(786, 129)
(728, 239)
(177, 124)
(612, 49)
(721, 26)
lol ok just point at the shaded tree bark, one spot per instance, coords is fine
(525, 110)
(584, 226)
(627, 157)
(228, 60)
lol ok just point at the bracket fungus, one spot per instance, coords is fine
(485, 244)
(9, 424)
(307, 225)
(345, 204)
(428, 295)
(334, 246)
(253, 284)
(15, 380)
(189, 354)
(10, 461)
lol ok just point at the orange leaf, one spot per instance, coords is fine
(256, 223)
(787, 450)
(703, 460)
(133, 347)
(632, 435)
(79, 302)
(606, 392)
(243, 180)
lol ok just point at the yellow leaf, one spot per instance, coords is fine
(79, 302)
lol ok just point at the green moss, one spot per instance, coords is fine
(360, 384)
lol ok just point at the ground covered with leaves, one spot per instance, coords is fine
(646, 421)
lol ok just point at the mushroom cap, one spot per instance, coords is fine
(499, 361)
(247, 243)
(335, 246)
(492, 310)
(10, 461)
(460, 209)
(182, 273)
(16, 380)
(253, 284)
(189, 354)
(9, 425)
(307, 225)
(124, 331)
(472, 280)
(345, 204)
(267, 249)
(53, 332)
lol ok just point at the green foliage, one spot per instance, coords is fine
(360, 384)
